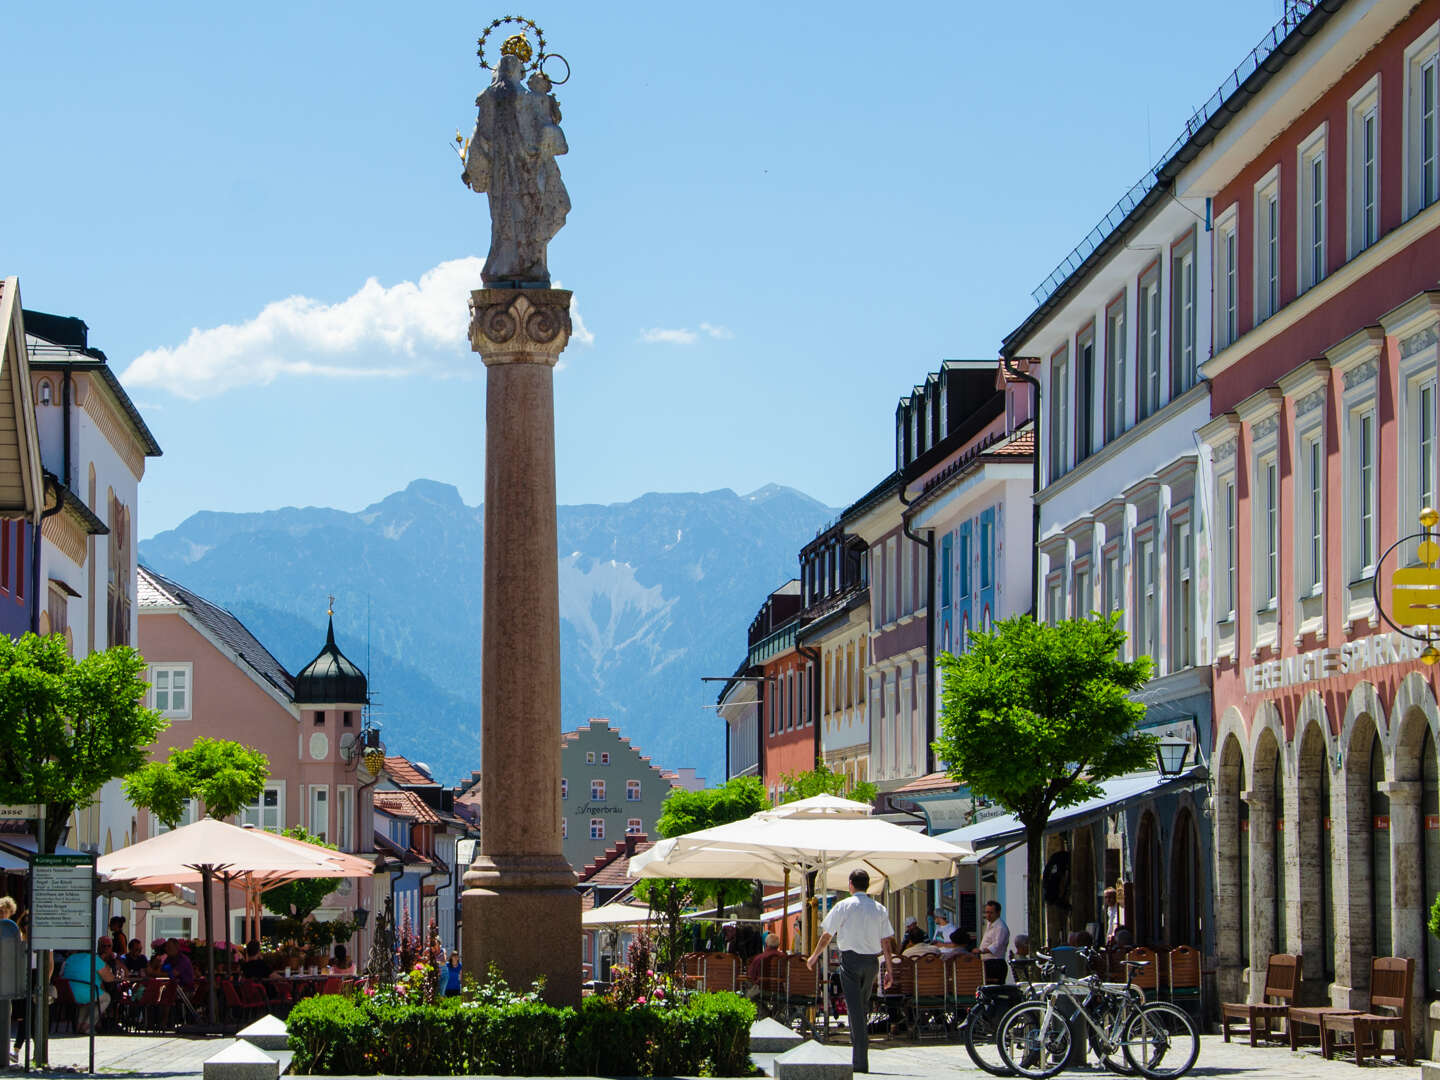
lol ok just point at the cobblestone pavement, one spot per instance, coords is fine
(165, 1057)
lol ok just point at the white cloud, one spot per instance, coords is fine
(683, 335)
(378, 332)
(657, 336)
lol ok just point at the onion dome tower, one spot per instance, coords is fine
(331, 679)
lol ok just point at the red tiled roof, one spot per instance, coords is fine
(1022, 445)
(935, 781)
(611, 867)
(405, 804)
(402, 771)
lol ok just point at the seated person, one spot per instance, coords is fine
(177, 965)
(923, 948)
(1019, 958)
(913, 935)
(962, 943)
(254, 966)
(88, 976)
(1080, 939)
(341, 964)
(135, 960)
(772, 948)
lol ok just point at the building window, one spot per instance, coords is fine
(344, 817)
(634, 826)
(604, 757)
(1114, 586)
(564, 828)
(1085, 395)
(1269, 533)
(564, 788)
(1059, 415)
(170, 690)
(947, 543)
(1423, 425)
(1312, 459)
(1147, 364)
(964, 567)
(1183, 306)
(987, 549)
(320, 811)
(589, 757)
(597, 790)
(1422, 122)
(6, 525)
(1055, 600)
(597, 828)
(1115, 370)
(1227, 282)
(1083, 599)
(319, 718)
(1312, 212)
(267, 811)
(1182, 597)
(118, 583)
(1365, 168)
(1230, 509)
(1147, 603)
(1365, 537)
(58, 606)
(1267, 248)
(188, 816)
(632, 790)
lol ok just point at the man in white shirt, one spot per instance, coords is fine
(994, 942)
(861, 930)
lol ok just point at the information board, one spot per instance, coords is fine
(63, 911)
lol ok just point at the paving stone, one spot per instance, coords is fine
(268, 1033)
(242, 1062)
(814, 1061)
(769, 1036)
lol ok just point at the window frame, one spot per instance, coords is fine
(1149, 343)
(170, 667)
(597, 790)
(1184, 313)
(1060, 405)
(315, 796)
(1227, 277)
(1269, 297)
(1085, 393)
(597, 828)
(1362, 117)
(277, 787)
(1311, 232)
(1422, 135)
(1147, 599)
(633, 786)
(1115, 368)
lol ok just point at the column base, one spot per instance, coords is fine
(522, 914)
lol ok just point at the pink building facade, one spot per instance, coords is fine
(1320, 453)
(210, 677)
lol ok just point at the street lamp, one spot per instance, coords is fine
(1171, 751)
(362, 916)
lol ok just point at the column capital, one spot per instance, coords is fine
(519, 326)
(1402, 792)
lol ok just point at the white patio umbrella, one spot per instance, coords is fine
(615, 915)
(767, 845)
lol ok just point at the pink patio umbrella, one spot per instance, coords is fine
(211, 848)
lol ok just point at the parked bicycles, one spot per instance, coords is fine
(1155, 1039)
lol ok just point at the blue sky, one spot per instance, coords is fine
(783, 216)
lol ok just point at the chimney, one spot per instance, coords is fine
(631, 839)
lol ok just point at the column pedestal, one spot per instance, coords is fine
(520, 909)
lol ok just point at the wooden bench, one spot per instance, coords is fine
(1282, 980)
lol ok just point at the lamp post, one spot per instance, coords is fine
(1171, 753)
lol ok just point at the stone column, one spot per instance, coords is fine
(1408, 910)
(1262, 885)
(520, 908)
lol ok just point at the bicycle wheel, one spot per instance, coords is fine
(1114, 1061)
(980, 1027)
(1033, 1040)
(1160, 1041)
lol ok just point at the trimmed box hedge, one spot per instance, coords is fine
(708, 1034)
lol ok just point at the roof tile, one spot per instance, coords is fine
(405, 804)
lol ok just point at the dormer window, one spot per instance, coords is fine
(319, 719)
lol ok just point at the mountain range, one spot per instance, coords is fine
(654, 594)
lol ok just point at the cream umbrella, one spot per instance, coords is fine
(209, 848)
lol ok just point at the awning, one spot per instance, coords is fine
(15, 846)
(615, 915)
(1114, 795)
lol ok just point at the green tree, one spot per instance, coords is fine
(297, 899)
(224, 775)
(685, 812)
(67, 726)
(1035, 716)
(822, 780)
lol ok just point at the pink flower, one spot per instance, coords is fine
(640, 1001)
(659, 991)
(369, 991)
(650, 974)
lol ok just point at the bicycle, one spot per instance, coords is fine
(1156, 1039)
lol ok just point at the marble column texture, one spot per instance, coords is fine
(520, 908)
(1408, 909)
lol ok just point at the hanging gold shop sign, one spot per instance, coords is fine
(1415, 590)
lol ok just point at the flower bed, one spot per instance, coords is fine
(706, 1034)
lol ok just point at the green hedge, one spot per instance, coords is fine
(709, 1034)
